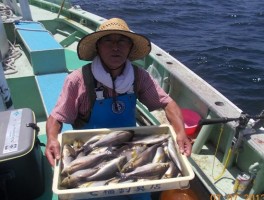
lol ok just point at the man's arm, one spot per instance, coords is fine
(174, 116)
(53, 128)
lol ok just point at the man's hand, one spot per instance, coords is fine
(174, 115)
(53, 128)
(52, 151)
(184, 144)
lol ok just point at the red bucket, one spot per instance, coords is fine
(191, 122)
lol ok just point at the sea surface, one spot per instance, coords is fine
(221, 41)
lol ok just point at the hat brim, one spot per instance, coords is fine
(86, 48)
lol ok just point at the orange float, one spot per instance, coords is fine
(178, 194)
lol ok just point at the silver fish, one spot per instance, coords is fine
(143, 158)
(166, 150)
(99, 150)
(76, 178)
(111, 139)
(152, 139)
(148, 171)
(92, 184)
(173, 153)
(116, 180)
(92, 140)
(84, 162)
(131, 151)
(109, 170)
(80, 154)
(113, 180)
(160, 155)
(68, 155)
(172, 171)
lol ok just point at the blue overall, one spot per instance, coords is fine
(109, 114)
(106, 114)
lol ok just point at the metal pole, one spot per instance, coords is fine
(5, 96)
(4, 46)
(62, 4)
(25, 10)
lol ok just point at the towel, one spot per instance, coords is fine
(123, 83)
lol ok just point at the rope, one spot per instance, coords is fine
(7, 14)
(9, 62)
(227, 159)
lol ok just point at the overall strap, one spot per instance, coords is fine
(89, 82)
(135, 84)
(89, 85)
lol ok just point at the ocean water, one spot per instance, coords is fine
(221, 41)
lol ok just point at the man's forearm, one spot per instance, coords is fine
(174, 116)
(53, 128)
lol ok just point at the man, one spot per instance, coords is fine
(117, 84)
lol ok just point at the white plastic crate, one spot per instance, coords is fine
(121, 188)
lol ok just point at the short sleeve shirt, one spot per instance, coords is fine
(73, 99)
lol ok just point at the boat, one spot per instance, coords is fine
(228, 145)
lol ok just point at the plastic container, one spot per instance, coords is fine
(121, 188)
(191, 122)
(21, 169)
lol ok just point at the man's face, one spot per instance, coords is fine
(114, 50)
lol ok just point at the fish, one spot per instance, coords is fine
(152, 139)
(113, 180)
(77, 144)
(111, 139)
(80, 154)
(99, 150)
(116, 180)
(173, 154)
(166, 150)
(85, 162)
(148, 171)
(130, 151)
(77, 177)
(92, 184)
(68, 155)
(109, 170)
(160, 155)
(172, 171)
(90, 141)
(141, 159)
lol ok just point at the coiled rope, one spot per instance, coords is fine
(7, 14)
(8, 62)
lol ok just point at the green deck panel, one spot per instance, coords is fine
(48, 174)
(25, 94)
(72, 60)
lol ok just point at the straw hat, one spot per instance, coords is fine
(86, 48)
